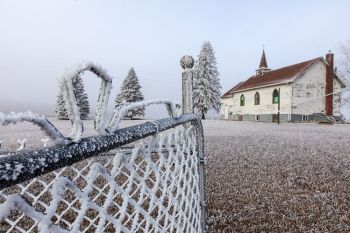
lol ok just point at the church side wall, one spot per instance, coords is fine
(309, 91)
(226, 109)
(266, 106)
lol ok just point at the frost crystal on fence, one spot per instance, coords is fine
(152, 188)
(120, 113)
(45, 141)
(71, 100)
(22, 144)
(36, 119)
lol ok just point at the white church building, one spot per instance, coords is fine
(303, 92)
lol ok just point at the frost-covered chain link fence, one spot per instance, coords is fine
(81, 184)
(152, 188)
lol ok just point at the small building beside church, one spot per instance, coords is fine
(308, 91)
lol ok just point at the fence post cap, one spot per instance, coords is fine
(187, 62)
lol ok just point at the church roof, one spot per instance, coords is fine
(281, 75)
(232, 89)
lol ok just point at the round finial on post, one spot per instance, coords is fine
(187, 62)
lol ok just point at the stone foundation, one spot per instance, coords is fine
(284, 118)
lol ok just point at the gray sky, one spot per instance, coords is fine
(41, 38)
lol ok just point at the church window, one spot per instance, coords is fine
(275, 97)
(257, 98)
(242, 100)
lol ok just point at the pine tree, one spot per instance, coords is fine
(61, 111)
(82, 100)
(81, 96)
(129, 93)
(206, 84)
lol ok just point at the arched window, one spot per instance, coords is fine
(257, 98)
(275, 97)
(242, 100)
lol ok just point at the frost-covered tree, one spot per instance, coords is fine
(345, 59)
(130, 92)
(61, 110)
(81, 96)
(344, 71)
(82, 100)
(206, 83)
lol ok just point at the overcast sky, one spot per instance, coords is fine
(40, 39)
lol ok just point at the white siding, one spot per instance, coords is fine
(226, 107)
(309, 90)
(266, 106)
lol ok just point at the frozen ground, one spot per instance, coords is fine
(278, 178)
(263, 177)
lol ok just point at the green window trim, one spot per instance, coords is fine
(275, 97)
(242, 100)
(257, 98)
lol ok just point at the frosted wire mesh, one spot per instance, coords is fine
(155, 188)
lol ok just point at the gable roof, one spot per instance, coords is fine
(282, 75)
(231, 90)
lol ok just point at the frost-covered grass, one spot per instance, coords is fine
(262, 177)
(269, 178)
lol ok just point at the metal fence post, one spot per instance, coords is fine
(187, 63)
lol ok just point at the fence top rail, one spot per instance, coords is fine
(25, 165)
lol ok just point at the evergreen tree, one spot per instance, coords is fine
(82, 100)
(81, 96)
(61, 110)
(206, 84)
(129, 93)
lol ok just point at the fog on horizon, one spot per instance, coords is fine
(40, 40)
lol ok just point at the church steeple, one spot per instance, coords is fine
(263, 62)
(263, 68)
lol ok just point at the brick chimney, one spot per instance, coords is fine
(329, 83)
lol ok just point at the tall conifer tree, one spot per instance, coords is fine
(206, 85)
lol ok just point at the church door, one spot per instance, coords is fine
(274, 118)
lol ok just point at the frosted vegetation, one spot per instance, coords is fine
(130, 92)
(269, 178)
(82, 100)
(206, 82)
